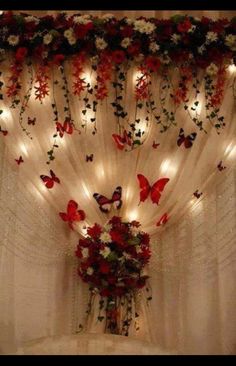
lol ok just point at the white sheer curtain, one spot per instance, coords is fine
(192, 267)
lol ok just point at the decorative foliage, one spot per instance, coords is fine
(111, 261)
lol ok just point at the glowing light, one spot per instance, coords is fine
(136, 75)
(232, 69)
(132, 215)
(196, 205)
(197, 108)
(100, 171)
(231, 151)
(168, 167)
(87, 76)
(6, 114)
(23, 148)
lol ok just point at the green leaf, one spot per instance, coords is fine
(134, 241)
(112, 257)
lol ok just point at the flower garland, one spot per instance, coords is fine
(111, 261)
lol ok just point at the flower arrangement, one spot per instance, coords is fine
(111, 260)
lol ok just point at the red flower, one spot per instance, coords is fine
(119, 291)
(111, 30)
(104, 267)
(94, 231)
(205, 20)
(153, 63)
(78, 252)
(184, 26)
(58, 59)
(117, 237)
(105, 292)
(118, 56)
(115, 220)
(135, 223)
(21, 54)
(134, 49)
(145, 239)
(81, 30)
(112, 279)
(127, 31)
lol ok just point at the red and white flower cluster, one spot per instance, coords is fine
(112, 258)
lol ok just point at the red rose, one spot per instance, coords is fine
(111, 30)
(115, 220)
(118, 56)
(127, 31)
(94, 231)
(57, 59)
(117, 237)
(153, 63)
(21, 54)
(82, 30)
(78, 252)
(184, 26)
(104, 267)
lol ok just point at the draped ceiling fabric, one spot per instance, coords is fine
(193, 256)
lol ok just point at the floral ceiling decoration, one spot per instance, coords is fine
(107, 117)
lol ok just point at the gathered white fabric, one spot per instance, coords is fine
(192, 267)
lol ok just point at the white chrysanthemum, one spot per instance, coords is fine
(129, 21)
(144, 27)
(68, 33)
(108, 16)
(47, 39)
(165, 59)
(134, 230)
(107, 227)
(89, 271)
(71, 40)
(212, 69)
(201, 49)
(125, 42)
(31, 18)
(211, 37)
(230, 41)
(100, 43)
(85, 252)
(13, 40)
(105, 238)
(154, 47)
(192, 29)
(175, 38)
(105, 252)
(82, 19)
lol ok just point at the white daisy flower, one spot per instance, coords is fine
(82, 19)
(144, 27)
(192, 29)
(230, 41)
(129, 21)
(175, 38)
(85, 252)
(101, 44)
(212, 69)
(107, 17)
(105, 252)
(68, 33)
(125, 42)
(105, 238)
(154, 47)
(72, 40)
(211, 37)
(47, 39)
(31, 18)
(89, 271)
(13, 40)
(201, 49)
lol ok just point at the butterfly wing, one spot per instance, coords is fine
(72, 209)
(116, 198)
(119, 141)
(181, 137)
(188, 141)
(103, 202)
(163, 220)
(155, 145)
(64, 216)
(157, 188)
(60, 129)
(48, 181)
(144, 186)
(68, 127)
(54, 177)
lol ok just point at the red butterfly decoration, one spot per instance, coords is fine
(163, 220)
(67, 127)
(49, 181)
(31, 121)
(197, 194)
(188, 140)
(105, 203)
(220, 166)
(89, 157)
(72, 214)
(155, 145)
(4, 132)
(120, 141)
(155, 190)
(20, 160)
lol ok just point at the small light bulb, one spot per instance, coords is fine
(232, 69)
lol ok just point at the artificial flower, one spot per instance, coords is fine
(211, 37)
(90, 271)
(82, 19)
(118, 56)
(125, 42)
(175, 38)
(184, 26)
(105, 252)
(107, 227)
(212, 69)
(85, 252)
(47, 39)
(144, 27)
(21, 53)
(13, 40)
(94, 231)
(105, 237)
(154, 47)
(100, 43)
(230, 41)
(153, 63)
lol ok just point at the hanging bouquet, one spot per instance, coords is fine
(112, 261)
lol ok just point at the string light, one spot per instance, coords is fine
(100, 171)
(168, 168)
(6, 115)
(132, 215)
(136, 75)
